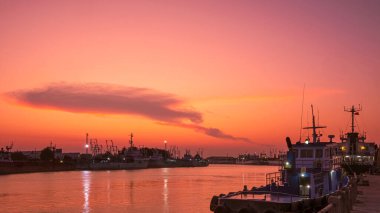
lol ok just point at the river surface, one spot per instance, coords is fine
(151, 190)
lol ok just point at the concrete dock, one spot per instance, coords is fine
(368, 199)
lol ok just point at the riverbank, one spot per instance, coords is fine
(31, 167)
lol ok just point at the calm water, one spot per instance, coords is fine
(150, 190)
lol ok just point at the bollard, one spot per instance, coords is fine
(345, 201)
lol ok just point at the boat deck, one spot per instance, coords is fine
(275, 198)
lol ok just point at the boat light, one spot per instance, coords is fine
(308, 186)
(347, 156)
(332, 171)
(108, 158)
(307, 141)
(302, 174)
(359, 156)
(287, 163)
(362, 147)
(86, 146)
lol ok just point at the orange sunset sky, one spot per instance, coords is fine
(224, 76)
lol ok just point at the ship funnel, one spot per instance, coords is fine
(289, 142)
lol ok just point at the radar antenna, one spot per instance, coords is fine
(354, 111)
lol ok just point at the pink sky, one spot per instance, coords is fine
(240, 66)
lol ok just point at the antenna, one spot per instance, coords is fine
(354, 111)
(314, 127)
(303, 99)
(318, 116)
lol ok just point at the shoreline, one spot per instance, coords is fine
(12, 169)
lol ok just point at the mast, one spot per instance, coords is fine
(353, 137)
(354, 111)
(314, 127)
(131, 140)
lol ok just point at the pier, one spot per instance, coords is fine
(368, 195)
(360, 197)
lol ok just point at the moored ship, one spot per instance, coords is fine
(358, 154)
(312, 172)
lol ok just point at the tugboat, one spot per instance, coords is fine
(311, 172)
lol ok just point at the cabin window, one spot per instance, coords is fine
(307, 153)
(318, 153)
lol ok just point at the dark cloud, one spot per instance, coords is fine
(104, 98)
(165, 108)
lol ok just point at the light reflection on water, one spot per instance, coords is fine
(166, 207)
(161, 190)
(86, 178)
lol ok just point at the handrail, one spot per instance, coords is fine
(259, 192)
(269, 192)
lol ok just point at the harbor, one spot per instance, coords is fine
(96, 158)
(179, 106)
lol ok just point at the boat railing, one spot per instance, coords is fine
(357, 159)
(274, 177)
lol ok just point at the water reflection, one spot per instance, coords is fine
(131, 188)
(108, 187)
(184, 190)
(86, 180)
(165, 191)
(243, 178)
(166, 195)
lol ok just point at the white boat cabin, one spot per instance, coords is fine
(314, 168)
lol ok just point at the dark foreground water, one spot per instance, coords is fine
(151, 190)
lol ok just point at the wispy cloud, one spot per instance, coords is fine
(165, 108)
(213, 132)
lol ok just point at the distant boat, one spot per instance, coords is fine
(189, 161)
(130, 158)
